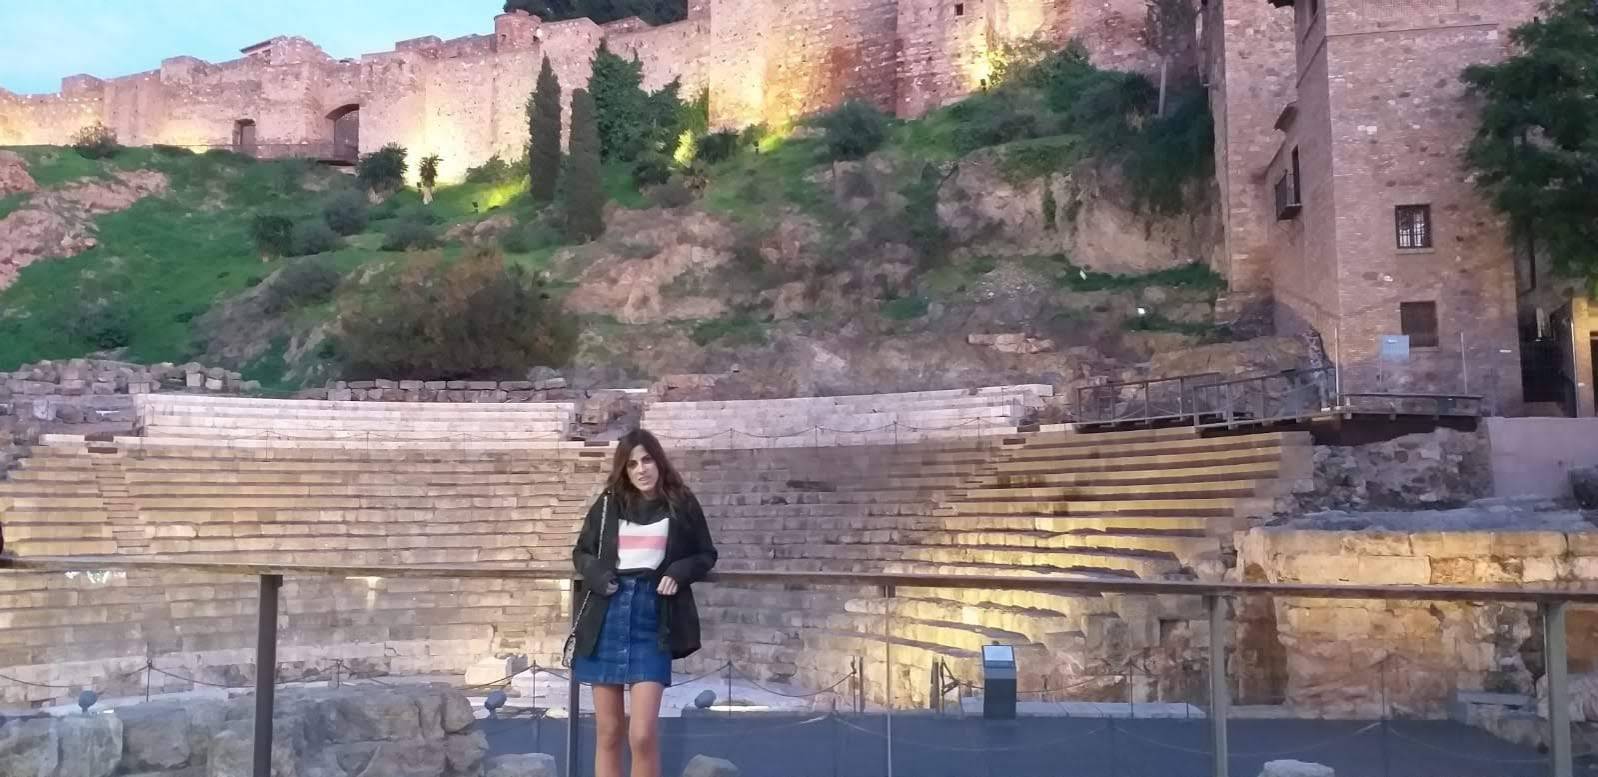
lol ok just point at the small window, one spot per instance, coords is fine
(1419, 321)
(959, 9)
(1414, 226)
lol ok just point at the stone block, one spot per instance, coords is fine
(103, 389)
(91, 745)
(30, 748)
(1460, 544)
(521, 765)
(70, 414)
(140, 387)
(1377, 543)
(74, 388)
(155, 736)
(213, 384)
(1528, 543)
(549, 384)
(374, 394)
(482, 385)
(516, 385)
(410, 385)
(705, 766)
(340, 395)
(463, 753)
(456, 385)
(383, 383)
(1582, 543)
(435, 385)
(363, 384)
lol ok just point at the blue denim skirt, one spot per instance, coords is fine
(628, 650)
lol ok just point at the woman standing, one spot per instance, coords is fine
(642, 545)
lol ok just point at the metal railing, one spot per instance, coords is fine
(1206, 400)
(1151, 399)
(1551, 601)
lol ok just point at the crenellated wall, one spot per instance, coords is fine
(464, 99)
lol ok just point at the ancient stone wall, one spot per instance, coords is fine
(1344, 657)
(1443, 468)
(98, 391)
(464, 99)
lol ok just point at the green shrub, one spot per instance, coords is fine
(104, 325)
(383, 170)
(529, 237)
(313, 237)
(406, 234)
(717, 146)
(905, 308)
(671, 194)
(421, 214)
(496, 170)
(273, 234)
(428, 172)
(477, 317)
(651, 169)
(310, 281)
(96, 141)
(853, 130)
(346, 211)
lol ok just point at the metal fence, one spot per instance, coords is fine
(1552, 603)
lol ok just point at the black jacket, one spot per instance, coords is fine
(690, 554)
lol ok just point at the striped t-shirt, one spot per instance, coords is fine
(641, 546)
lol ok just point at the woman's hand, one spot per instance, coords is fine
(668, 587)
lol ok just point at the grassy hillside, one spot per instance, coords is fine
(169, 264)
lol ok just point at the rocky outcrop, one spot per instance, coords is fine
(626, 274)
(413, 731)
(14, 177)
(60, 222)
(705, 766)
(1093, 223)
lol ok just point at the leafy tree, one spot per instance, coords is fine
(601, 11)
(477, 317)
(1535, 152)
(585, 193)
(543, 131)
(313, 237)
(383, 170)
(428, 172)
(632, 121)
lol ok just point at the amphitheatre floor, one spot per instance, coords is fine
(818, 745)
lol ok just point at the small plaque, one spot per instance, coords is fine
(1395, 348)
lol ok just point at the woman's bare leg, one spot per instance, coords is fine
(610, 717)
(643, 733)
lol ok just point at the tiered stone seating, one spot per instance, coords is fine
(870, 419)
(311, 505)
(1152, 504)
(188, 417)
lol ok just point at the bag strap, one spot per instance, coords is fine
(604, 515)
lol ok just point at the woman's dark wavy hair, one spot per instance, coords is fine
(670, 483)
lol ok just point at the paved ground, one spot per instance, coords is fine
(806, 745)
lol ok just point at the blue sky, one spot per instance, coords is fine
(40, 42)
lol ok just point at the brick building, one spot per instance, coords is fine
(760, 60)
(1347, 207)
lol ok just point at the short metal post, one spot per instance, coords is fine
(1218, 692)
(887, 647)
(265, 673)
(573, 691)
(1558, 687)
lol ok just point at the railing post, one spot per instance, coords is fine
(887, 647)
(1219, 700)
(265, 673)
(574, 699)
(1558, 687)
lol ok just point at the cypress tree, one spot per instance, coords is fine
(585, 195)
(543, 134)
